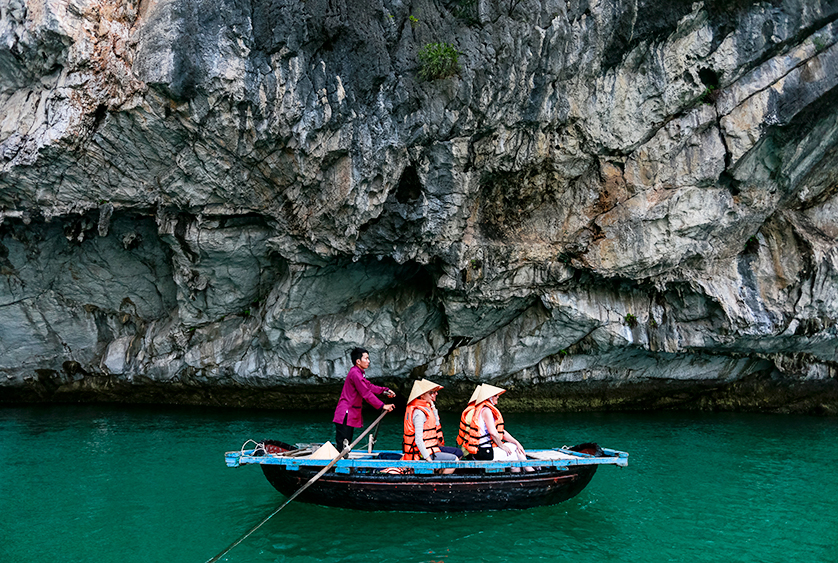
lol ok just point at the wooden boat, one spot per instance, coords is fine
(379, 480)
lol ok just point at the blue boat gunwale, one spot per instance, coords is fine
(369, 461)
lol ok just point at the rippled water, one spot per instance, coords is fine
(112, 484)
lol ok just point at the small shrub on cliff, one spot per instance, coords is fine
(819, 42)
(438, 60)
(631, 320)
(709, 96)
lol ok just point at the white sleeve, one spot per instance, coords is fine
(419, 425)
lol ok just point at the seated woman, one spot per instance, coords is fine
(467, 421)
(421, 414)
(492, 441)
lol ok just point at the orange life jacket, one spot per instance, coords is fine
(475, 438)
(467, 427)
(431, 431)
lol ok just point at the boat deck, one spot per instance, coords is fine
(558, 458)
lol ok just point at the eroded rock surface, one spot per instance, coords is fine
(615, 204)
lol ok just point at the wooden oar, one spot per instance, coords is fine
(301, 489)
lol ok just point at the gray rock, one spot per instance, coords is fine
(610, 205)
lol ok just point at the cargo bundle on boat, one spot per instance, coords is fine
(380, 480)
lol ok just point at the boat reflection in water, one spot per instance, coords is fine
(379, 480)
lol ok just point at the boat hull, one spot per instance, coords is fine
(459, 492)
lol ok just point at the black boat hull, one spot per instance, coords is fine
(472, 491)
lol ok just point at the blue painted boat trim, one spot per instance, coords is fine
(370, 461)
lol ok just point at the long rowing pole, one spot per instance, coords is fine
(301, 489)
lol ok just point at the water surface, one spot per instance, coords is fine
(117, 484)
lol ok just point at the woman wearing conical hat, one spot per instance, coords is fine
(467, 422)
(422, 430)
(493, 441)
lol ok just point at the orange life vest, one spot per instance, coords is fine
(467, 427)
(475, 438)
(431, 431)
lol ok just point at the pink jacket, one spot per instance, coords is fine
(356, 389)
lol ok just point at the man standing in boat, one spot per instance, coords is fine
(356, 390)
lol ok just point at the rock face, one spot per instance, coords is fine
(613, 204)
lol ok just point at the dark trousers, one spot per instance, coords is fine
(452, 450)
(484, 454)
(343, 432)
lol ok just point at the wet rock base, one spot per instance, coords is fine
(754, 394)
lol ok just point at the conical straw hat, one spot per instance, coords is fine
(474, 395)
(326, 451)
(421, 387)
(486, 391)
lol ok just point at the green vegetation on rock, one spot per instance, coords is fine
(438, 60)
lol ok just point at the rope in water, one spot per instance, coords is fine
(301, 489)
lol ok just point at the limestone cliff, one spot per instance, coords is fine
(613, 203)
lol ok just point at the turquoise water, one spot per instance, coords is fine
(115, 484)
